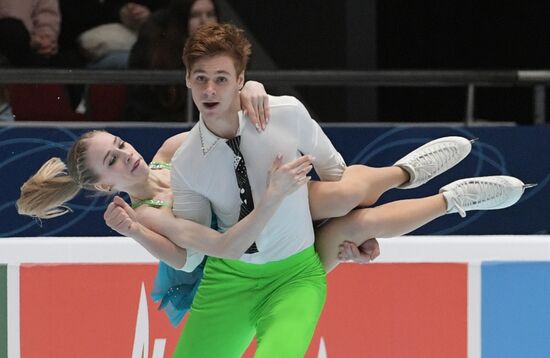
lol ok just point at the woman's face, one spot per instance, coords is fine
(202, 12)
(116, 162)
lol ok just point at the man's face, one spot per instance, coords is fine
(215, 86)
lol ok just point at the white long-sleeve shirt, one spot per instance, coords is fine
(203, 177)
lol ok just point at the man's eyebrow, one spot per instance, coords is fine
(217, 72)
(106, 155)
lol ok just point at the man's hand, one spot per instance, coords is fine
(364, 253)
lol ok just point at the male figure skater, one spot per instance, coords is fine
(277, 289)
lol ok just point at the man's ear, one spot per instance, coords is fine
(240, 80)
(187, 79)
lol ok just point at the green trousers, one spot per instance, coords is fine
(280, 302)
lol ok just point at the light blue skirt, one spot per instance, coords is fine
(175, 289)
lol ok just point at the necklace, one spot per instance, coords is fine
(205, 149)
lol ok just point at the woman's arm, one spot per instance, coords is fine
(284, 179)
(169, 147)
(255, 104)
(126, 223)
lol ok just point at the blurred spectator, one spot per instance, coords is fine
(160, 46)
(101, 32)
(29, 31)
(5, 108)
(98, 34)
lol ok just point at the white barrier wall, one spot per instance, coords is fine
(450, 296)
(395, 250)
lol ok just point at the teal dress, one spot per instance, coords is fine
(174, 289)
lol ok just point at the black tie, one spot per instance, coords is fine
(247, 202)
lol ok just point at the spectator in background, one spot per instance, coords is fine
(29, 31)
(159, 46)
(99, 32)
(5, 108)
(35, 32)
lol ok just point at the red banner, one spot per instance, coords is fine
(92, 311)
(380, 310)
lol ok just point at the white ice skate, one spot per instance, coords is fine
(483, 193)
(433, 158)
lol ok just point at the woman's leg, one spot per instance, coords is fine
(400, 217)
(360, 186)
(388, 220)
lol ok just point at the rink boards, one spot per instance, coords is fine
(446, 296)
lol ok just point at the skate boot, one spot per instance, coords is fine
(483, 193)
(432, 159)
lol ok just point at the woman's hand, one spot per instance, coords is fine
(120, 217)
(255, 104)
(366, 252)
(284, 179)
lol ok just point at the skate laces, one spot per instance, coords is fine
(471, 194)
(435, 158)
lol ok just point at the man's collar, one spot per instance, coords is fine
(209, 140)
(242, 122)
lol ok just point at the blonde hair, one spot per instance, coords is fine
(45, 193)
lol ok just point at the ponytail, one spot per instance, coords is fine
(44, 194)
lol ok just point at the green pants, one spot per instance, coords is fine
(280, 302)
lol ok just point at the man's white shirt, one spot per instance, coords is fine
(203, 178)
